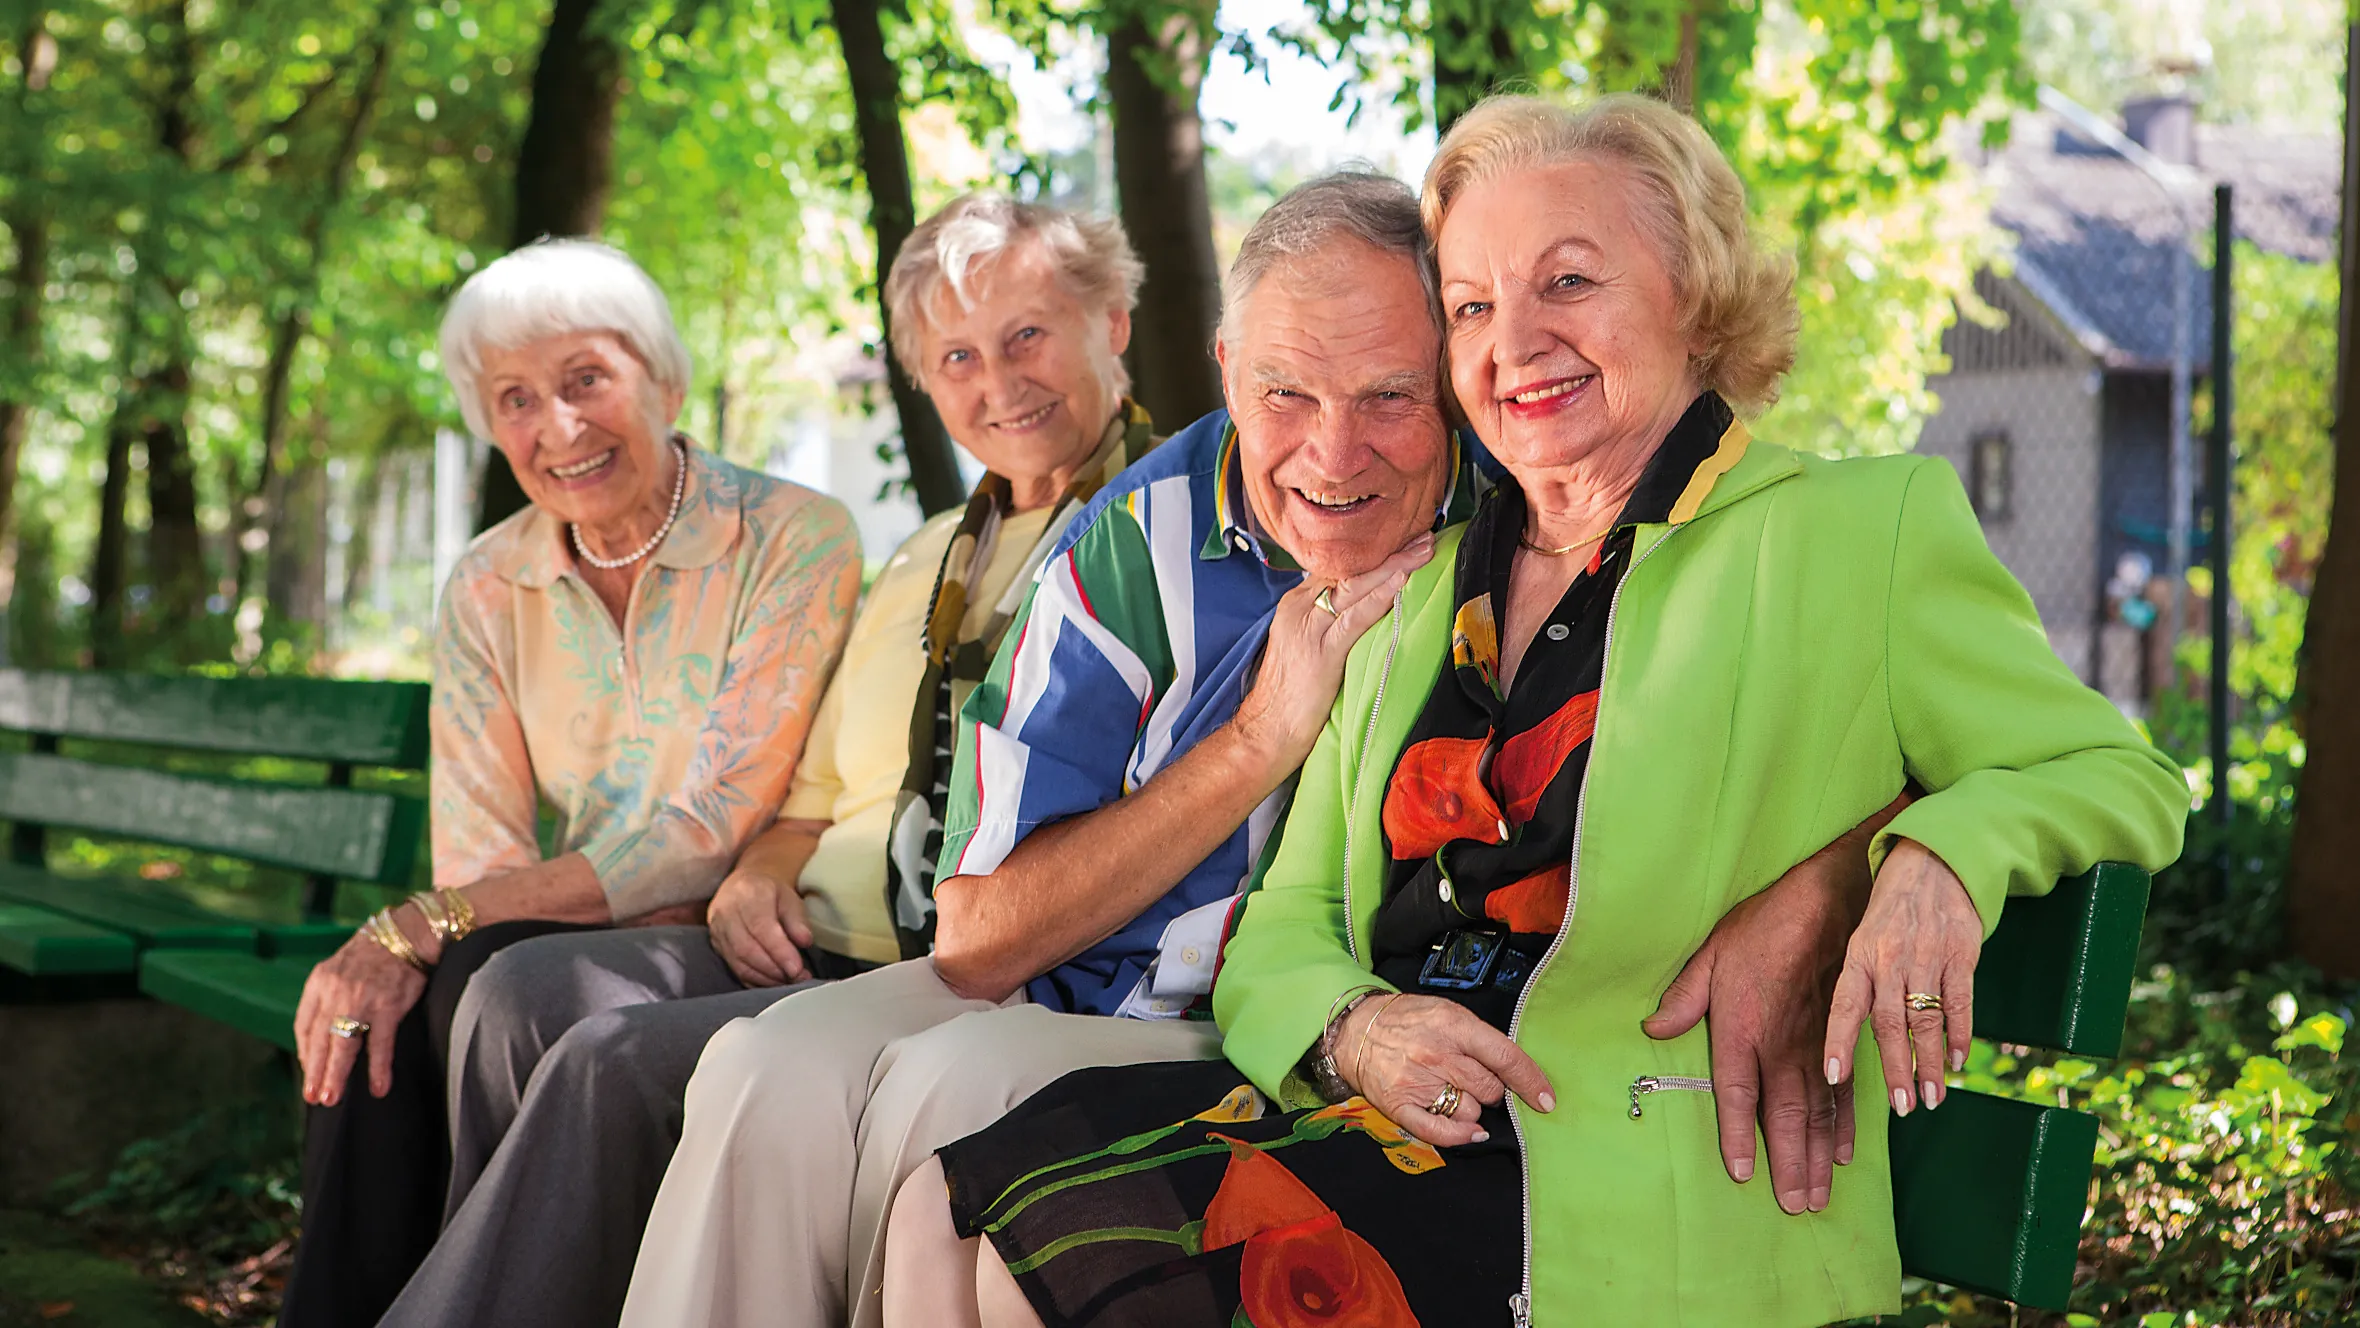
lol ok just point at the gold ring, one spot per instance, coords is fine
(1326, 602)
(1922, 1000)
(345, 1026)
(1446, 1103)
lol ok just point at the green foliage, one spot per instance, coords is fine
(2256, 61)
(2225, 1177)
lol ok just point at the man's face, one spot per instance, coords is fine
(1333, 382)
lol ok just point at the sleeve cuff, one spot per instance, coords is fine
(1964, 847)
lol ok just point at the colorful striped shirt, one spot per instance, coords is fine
(1139, 640)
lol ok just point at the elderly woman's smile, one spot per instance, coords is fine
(584, 424)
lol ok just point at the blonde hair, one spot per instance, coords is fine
(1737, 303)
(1091, 256)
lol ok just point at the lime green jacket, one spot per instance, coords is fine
(1780, 658)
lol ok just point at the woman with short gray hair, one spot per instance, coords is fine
(571, 1053)
(640, 649)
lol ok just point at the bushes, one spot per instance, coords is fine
(2224, 1191)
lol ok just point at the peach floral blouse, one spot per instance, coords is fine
(662, 746)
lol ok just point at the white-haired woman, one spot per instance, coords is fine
(641, 650)
(570, 1054)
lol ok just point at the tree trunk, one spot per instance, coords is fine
(1156, 57)
(893, 213)
(2323, 888)
(251, 514)
(110, 557)
(29, 225)
(562, 170)
(1474, 51)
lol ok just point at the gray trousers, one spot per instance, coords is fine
(569, 1059)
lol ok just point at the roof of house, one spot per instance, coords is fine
(2094, 234)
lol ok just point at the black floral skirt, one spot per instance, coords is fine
(1239, 1216)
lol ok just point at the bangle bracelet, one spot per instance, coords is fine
(1322, 1061)
(447, 913)
(386, 932)
(1360, 1063)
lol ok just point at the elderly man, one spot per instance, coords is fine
(570, 1053)
(1119, 774)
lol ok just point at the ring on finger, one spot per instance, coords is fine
(1446, 1102)
(345, 1026)
(1922, 1000)
(1327, 602)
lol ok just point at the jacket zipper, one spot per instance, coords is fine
(1665, 1083)
(1359, 770)
(1520, 1304)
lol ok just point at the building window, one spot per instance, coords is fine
(1988, 481)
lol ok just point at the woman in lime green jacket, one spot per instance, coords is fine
(1663, 664)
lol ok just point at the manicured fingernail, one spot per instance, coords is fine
(1930, 1093)
(1546, 1102)
(1958, 1061)
(1741, 1169)
(1835, 1071)
(1900, 1101)
(1482, 1136)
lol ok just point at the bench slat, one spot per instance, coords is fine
(148, 920)
(45, 943)
(317, 719)
(1988, 1194)
(254, 995)
(2057, 970)
(353, 834)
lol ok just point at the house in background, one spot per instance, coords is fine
(2059, 419)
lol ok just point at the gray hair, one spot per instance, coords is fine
(554, 288)
(1374, 209)
(1092, 257)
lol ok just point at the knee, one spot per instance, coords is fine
(506, 1006)
(745, 1066)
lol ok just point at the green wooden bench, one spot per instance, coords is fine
(242, 970)
(1988, 1193)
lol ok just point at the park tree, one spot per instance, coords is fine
(2323, 903)
(1157, 51)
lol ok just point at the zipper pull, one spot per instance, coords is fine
(1646, 1083)
(1520, 1309)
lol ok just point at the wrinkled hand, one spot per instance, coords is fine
(1303, 663)
(363, 981)
(1764, 976)
(1921, 934)
(759, 929)
(1399, 1052)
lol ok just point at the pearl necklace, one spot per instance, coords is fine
(679, 491)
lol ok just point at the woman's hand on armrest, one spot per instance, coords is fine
(1920, 938)
(1401, 1052)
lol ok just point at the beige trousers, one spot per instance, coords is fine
(803, 1121)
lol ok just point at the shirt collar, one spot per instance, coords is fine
(1234, 525)
(1706, 442)
(532, 549)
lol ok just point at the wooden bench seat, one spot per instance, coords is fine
(252, 994)
(1989, 1193)
(54, 924)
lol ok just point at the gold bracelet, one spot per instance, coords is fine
(386, 932)
(438, 919)
(1360, 1062)
(462, 912)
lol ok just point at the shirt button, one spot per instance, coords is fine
(1503, 832)
(1191, 955)
(1443, 890)
(1559, 631)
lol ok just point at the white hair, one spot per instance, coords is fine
(553, 288)
(1091, 257)
(1347, 205)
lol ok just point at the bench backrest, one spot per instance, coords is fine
(1988, 1193)
(328, 831)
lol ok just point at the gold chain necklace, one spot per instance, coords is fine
(1548, 552)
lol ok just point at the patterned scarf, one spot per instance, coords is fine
(956, 662)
